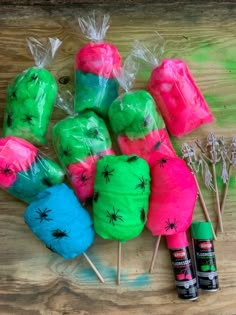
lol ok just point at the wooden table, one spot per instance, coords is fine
(36, 281)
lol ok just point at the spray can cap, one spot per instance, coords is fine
(201, 230)
(178, 240)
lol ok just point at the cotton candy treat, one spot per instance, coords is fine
(178, 98)
(79, 142)
(43, 173)
(24, 171)
(173, 197)
(18, 154)
(121, 195)
(30, 101)
(140, 128)
(64, 227)
(95, 65)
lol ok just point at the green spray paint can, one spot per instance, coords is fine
(204, 255)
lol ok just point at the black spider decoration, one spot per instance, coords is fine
(157, 145)
(94, 133)
(28, 119)
(66, 151)
(59, 234)
(171, 225)
(96, 196)
(34, 77)
(83, 178)
(132, 159)
(13, 94)
(113, 216)
(142, 184)
(143, 215)
(162, 162)
(6, 171)
(43, 215)
(147, 120)
(9, 120)
(46, 181)
(107, 173)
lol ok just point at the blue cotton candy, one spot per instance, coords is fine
(43, 173)
(58, 220)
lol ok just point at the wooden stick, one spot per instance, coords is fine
(217, 199)
(222, 206)
(155, 253)
(204, 207)
(118, 263)
(94, 268)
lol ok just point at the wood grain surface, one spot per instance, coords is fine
(36, 281)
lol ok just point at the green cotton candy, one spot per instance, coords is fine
(134, 115)
(94, 92)
(121, 197)
(30, 101)
(75, 138)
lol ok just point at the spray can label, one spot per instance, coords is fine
(206, 265)
(185, 279)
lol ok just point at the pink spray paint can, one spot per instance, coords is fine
(185, 278)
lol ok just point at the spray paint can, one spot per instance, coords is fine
(185, 278)
(205, 260)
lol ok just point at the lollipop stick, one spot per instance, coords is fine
(206, 213)
(155, 253)
(94, 268)
(118, 263)
(217, 199)
(222, 207)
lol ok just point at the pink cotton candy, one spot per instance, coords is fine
(17, 153)
(98, 58)
(83, 174)
(151, 148)
(173, 197)
(178, 98)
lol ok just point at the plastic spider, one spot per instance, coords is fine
(171, 225)
(96, 196)
(142, 184)
(34, 77)
(107, 173)
(13, 94)
(162, 162)
(9, 120)
(157, 145)
(66, 151)
(28, 119)
(143, 215)
(132, 158)
(83, 178)
(147, 120)
(113, 216)
(43, 215)
(59, 233)
(46, 181)
(94, 133)
(6, 171)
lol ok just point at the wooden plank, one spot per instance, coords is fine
(35, 281)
